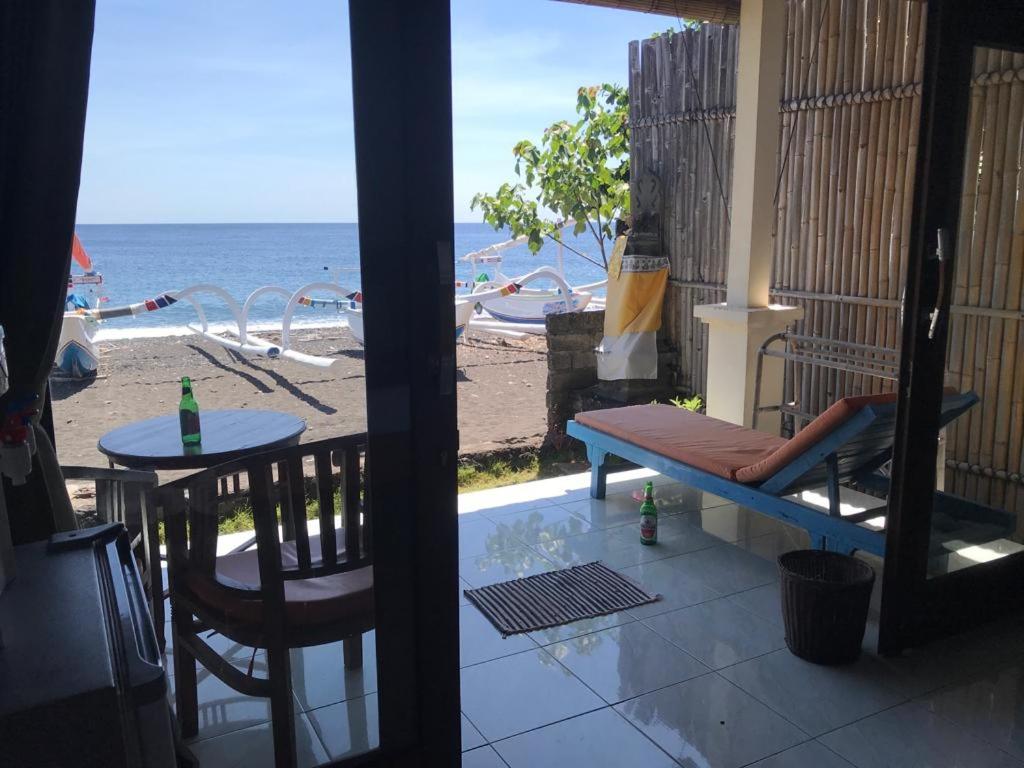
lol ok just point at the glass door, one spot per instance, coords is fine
(978, 506)
(955, 549)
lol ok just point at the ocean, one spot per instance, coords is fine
(140, 261)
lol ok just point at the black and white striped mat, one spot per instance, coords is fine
(557, 597)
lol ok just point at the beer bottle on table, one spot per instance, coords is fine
(188, 413)
(648, 517)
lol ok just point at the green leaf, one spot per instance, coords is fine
(580, 170)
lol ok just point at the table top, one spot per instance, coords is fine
(227, 435)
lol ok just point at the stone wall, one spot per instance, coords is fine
(573, 385)
(572, 364)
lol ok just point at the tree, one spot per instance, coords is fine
(580, 172)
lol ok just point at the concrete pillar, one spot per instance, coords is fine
(738, 327)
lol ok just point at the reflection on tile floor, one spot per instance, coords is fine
(700, 678)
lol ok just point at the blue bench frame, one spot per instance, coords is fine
(853, 452)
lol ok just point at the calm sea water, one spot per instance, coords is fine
(140, 261)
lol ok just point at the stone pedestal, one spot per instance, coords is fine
(572, 364)
(736, 334)
(572, 384)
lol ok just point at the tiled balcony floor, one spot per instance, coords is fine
(701, 678)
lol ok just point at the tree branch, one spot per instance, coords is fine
(600, 242)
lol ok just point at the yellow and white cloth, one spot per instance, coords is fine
(636, 292)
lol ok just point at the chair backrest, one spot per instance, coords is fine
(288, 483)
(120, 493)
(859, 446)
(126, 496)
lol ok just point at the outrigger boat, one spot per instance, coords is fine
(513, 309)
(352, 306)
(529, 306)
(77, 353)
(532, 305)
(241, 339)
(354, 312)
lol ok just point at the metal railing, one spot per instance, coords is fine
(844, 356)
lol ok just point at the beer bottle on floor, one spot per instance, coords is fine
(188, 413)
(648, 517)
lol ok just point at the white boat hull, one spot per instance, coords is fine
(531, 306)
(463, 313)
(77, 354)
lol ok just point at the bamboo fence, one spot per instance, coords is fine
(850, 110)
(683, 132)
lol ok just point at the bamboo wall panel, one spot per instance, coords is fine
(846, 180)
(682, 109)
(850, 110)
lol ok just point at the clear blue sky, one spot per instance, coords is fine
(241, 110)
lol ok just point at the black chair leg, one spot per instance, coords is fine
(155, 574)
(156, 587)
(186, 690)
(282, 710)
(352, 648)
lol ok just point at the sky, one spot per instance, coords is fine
(241, 110)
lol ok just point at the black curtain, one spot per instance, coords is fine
(45, 51)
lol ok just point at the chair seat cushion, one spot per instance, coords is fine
(716, 446)
(340, 597)
(709, 444)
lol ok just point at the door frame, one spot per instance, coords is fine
(914, 608)
(401, 78)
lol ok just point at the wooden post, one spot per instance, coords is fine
(758, 88)
(401, 89)
(738, 327)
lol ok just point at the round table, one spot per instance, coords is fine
(227, 435)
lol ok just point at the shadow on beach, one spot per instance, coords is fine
(260, 386)
(354, 354)
(63, 387)
(282, 382)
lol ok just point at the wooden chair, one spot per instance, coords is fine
(125, 496)
(295, 589)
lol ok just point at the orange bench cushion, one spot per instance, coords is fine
(716, 446)
(335, 598)
(827, 422)
(713, 445)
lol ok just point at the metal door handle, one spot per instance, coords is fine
(941, 256)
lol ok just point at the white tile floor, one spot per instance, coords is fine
(700, 679)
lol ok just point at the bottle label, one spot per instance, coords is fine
(648, 528)
(190, 429)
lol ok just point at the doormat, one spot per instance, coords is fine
(557, 597)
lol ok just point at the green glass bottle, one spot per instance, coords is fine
(188, 413)
(648, 517)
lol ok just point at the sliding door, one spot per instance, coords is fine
(955, 546)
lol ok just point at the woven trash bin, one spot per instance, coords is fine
(825, 599)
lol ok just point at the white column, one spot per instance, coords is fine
(738, 327)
